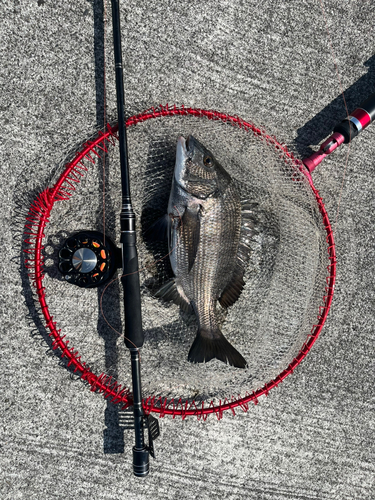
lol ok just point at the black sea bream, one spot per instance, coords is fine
(208, 236)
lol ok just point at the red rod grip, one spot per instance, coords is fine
(344, 132)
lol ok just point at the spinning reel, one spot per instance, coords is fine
(89, 259)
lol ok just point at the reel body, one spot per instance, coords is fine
(89, 259)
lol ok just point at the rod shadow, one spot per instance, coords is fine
(113, 434)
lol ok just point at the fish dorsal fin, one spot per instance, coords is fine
(235, 285)
(169, 292)
(190, 231)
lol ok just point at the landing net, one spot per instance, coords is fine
(289, 278)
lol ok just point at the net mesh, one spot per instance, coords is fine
(285, 280)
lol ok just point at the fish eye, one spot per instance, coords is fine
(207, 160)
(189, 158)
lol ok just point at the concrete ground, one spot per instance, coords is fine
(268, 62)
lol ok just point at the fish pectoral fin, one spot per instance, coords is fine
(170, 292)
(209, 345)
(159, 230)
(190, 231)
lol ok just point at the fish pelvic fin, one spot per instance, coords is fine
(209, 345)
(170, 292)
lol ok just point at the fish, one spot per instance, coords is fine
(208, 231)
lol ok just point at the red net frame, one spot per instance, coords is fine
(38, 218)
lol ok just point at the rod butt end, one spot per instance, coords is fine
(141, 464)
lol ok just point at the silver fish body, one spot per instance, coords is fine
(207, 251)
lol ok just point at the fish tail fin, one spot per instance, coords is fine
(208, 345)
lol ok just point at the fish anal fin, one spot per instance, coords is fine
(210, 345)
(169, 292)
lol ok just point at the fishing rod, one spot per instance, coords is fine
(134, 336)
(344, 132)
(89, 259)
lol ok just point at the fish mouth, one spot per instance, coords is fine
(188, 142)
(181, 152)
(182, 144)
(184, 152)
(186, 146)
(192, 144)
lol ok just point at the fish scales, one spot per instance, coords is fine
(214, 261)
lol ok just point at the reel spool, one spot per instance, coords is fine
(89, 259)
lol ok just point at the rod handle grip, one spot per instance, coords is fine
(358, 120)
(134, 336)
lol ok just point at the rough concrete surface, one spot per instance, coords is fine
(271, 63)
